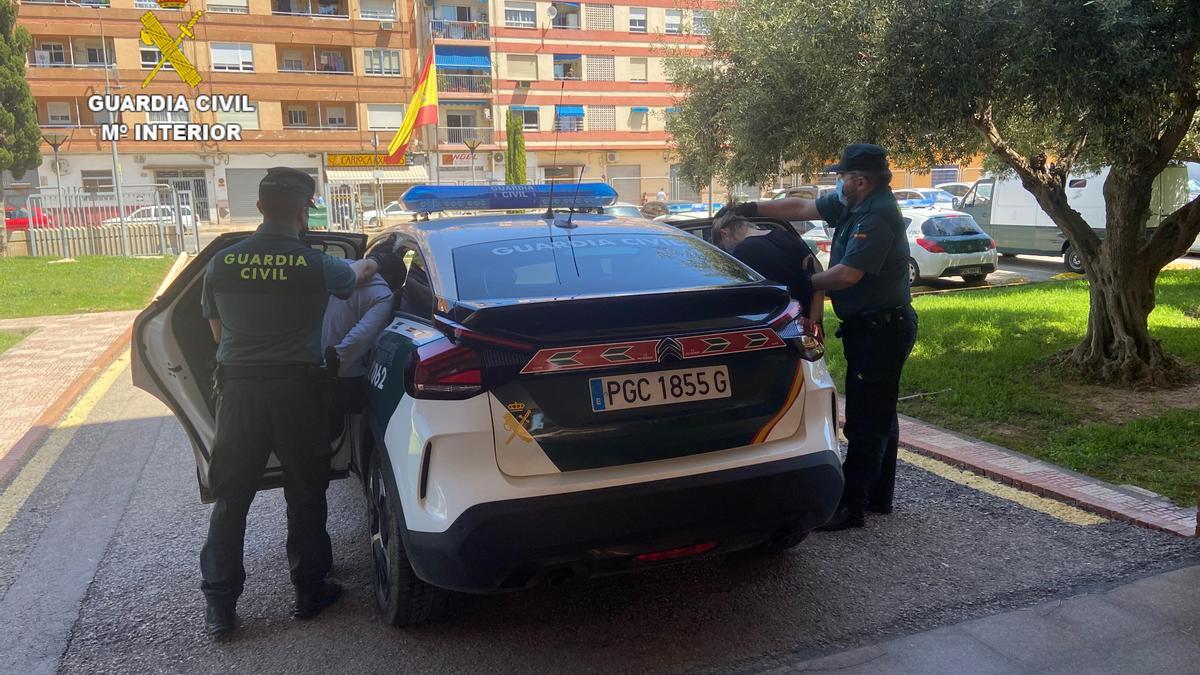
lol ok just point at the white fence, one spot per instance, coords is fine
(140, 220)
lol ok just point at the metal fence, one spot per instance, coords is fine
(139, 220)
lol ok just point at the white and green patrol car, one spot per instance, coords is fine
(560, 395)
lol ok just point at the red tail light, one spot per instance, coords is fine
(460, 333)
(991, 244)
(444, 370)
(824, 246)
(800, 331)
(930, 245)
(676, 553)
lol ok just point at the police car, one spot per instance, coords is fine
(560, 395)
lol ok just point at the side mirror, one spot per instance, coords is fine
(958, 203)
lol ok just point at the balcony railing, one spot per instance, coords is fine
(286, 68)
(475, 84)
(34, 63)
(463, 134)
(458, 30)
(315, 10)
(85, 3)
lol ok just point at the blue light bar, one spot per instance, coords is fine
(434, 198)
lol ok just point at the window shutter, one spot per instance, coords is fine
(384, 115)
(522, 66)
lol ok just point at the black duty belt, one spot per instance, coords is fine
(877, 317)
(280, 371)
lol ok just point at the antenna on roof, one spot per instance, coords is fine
(557, 129)
(575, 200)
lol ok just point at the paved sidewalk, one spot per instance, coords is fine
(1149, 626)
(36, 372)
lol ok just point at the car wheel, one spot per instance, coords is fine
(974, 278)
(914, 272)
(1073, 261)
(402, 598)
(782, 541)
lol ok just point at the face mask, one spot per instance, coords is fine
(837, 188)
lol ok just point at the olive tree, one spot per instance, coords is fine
(1042, 87)
(19, 132)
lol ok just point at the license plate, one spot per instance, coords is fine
(972, 270)
(663, 387)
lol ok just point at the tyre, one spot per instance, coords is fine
(782, 541)
(914, 272)
(402, 598)
(974, 278)
(1073, 261)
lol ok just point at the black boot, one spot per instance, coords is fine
(220, 620)
(312, 599)
(845, 518)
(880, 506)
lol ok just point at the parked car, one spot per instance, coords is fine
(22, 217)
(156, 215)
(552, 401)
(947, 244)
(956, 189)
(393, 212)
(803, 191)
(941, 198)
(909, 198)
(623, 209)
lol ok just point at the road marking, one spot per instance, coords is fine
(44, 458)
(1050, 507)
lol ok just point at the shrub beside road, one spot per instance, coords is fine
(40, 286)
(983, 363)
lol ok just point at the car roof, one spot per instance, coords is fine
(923, 213)
(442, 234)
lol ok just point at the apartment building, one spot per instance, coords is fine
(326, 78)
(587, 80)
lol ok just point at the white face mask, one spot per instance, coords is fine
(841, 195)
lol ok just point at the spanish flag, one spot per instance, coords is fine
(421, 111)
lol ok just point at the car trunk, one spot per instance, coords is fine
(969, 243)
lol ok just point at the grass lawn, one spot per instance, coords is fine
(37, 286)
(10, 338)
(988, 353)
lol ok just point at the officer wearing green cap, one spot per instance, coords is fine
(868, 282)
(265, 298)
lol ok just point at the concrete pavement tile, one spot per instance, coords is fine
(1165, 654)
(1030, 636)
(946, 650)
(1174, 606)
(841, 662)
(1100, 620)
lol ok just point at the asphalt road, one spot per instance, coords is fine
(98, 573)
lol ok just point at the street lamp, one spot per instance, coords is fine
(55, 140)
(113, 142)
(472, 144)
(378, 185)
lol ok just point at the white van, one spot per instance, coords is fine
(1011, 215)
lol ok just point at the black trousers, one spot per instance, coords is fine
(256, 416)
(349, 397)
(875, 356)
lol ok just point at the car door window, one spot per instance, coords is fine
(416, 296)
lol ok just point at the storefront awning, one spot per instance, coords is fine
(640, 109)
(462, 58)
(387, 174)
(569, 110)
(522, 107)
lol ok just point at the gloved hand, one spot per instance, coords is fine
(744, 209)
(391, 266)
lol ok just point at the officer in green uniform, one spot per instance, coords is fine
(868, 282)
(265, 298)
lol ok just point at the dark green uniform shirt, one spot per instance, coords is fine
(871, 238)
(270, 292)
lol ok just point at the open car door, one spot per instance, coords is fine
(173, 354)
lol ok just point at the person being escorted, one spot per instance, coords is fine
(265, 298)
(781, 256)
(868, 283)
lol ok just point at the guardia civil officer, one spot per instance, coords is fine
(868, 283)
(265, 298)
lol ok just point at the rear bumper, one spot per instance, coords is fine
(514, 544)
(957, 270)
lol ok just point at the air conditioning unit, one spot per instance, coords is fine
(612, 157)
(387, 25)
(497, 157)
(61, 167)
(522, 84)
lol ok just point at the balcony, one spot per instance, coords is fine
(317, 9)
(85, 3)
(305, 116)
(313, 59)
(466, 83)
(568, 16)
(68, 52)
(459, 135)
(459, 30)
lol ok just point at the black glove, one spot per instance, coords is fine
(744, 209)
(391, 266)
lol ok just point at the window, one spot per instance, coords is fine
(248, 119)
(460, 120)
(639, 69)
(639, 118)
(229, 7)
(297, 116)
(50, 54)
(528, 116)
(674, 21)
(602, 118)
(567, 66)
(568, 15)
(637, 19)
(330, 8)
(520, 14)
(600, 68)
(600, 17)
(151, 56)
(100, 180)
(700, 20)
(167, 117)
(416, 297)
(384, 115)
(522, 66)
(454, 13)
(382, 61)
(570, 119)
(232, 57)
(332, 62)
(292, 60)
(377, 9)
(58, 113)
(335, 116)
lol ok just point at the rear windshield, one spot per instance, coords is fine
(950, 226)
(591, 263)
